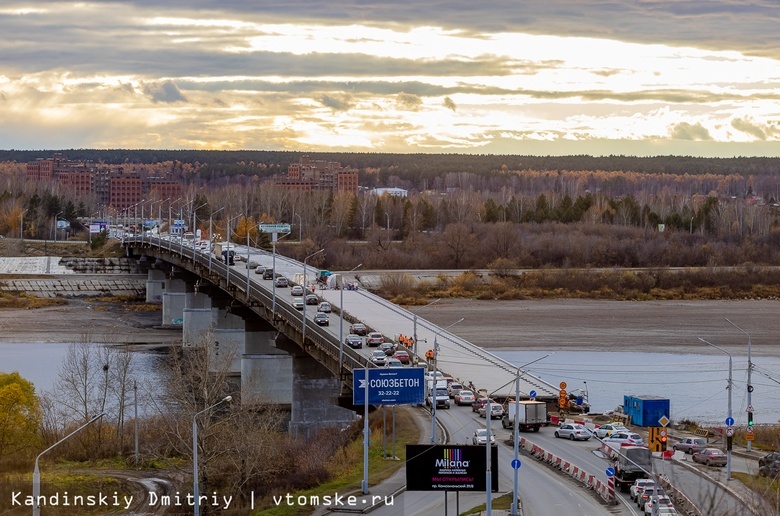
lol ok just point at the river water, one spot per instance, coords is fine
(696, 385)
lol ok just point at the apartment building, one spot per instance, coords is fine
(309, 175)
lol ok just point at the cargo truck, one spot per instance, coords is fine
(631, 463)
(437, 389)
(532, 415)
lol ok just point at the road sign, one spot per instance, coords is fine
(532, 394)
(562, 385)
(749, 435)
(750, 408)
(516, 464)
(563, 393)
(730, 431)
(275, 228)
(729, 421)
(664, 421)
(610, 472)
(392, 386)
(178, 222)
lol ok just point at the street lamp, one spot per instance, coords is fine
(731, 385)
(211, 235)
(414, 344)
(749, 385)
(37, 472)
(435, 370)
(195, 486)
(341, 315)
(195, 227)
(227, 256)
(303, 315)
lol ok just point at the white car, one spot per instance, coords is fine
(638, 486)
(378, 357)
(296, 290)
(297, 303)
(392, 362)
(573, 431)
(625, 438)
(606, 430)
(464, 397)
(480, 437)
(324, 307)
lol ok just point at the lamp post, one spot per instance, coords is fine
(341, 316)
(37, 471)
(195, 227)
(731, 388)
(303, 314)
(211, 235)
(414, 350)
(227, 256)
(435, 370)
(195, 483)
(749, 385)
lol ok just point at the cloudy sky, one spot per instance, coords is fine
(599, 77)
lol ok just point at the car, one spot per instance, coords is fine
(665, 510)
(625, 438)
(573, 432)
(378, 357)
(496, 410)
(388, 348)
(322, 319)
(464, 397)
(251, 264)
(311, 299)
(660, 501)
(690, 445)
(375, 338)
(710, 457)
(352, 340)
(260, 270)
(402, 356)
(358, 329)
(648, 493)
(638, 486)
(268, 273)
(393, 362)
(296, 290)
(281, 281)
(606, 430)
(478, 403)
(480, 437)
(454, 389)
(297, 303)
(324, 307)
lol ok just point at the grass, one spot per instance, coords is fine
(503, 502)
(347, 468)
(18, 301)
(769, 488)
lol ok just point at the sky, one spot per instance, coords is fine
(553, 77)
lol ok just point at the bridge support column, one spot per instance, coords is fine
(314, 396)
(173, 302)
(155, 286)
(227, 342)
(266, 371)
(199, 320)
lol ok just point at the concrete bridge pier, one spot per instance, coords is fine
(314, 395)
(266, 371)
(227, 342)
(155, 285)
(173, 302)
(199, 319)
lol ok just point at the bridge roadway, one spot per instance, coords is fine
(456, 356)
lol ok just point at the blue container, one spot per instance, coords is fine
(646, 410)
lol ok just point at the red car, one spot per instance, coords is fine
(710, 457)
(402, 356)
(478, 403)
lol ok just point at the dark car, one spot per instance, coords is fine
(322, 319)
(358, 329)
(354, 341)
(478, 403)
(268, 273)
(311, 299)
(710, 457)
(388, 348)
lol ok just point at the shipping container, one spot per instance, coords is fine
(646, 410)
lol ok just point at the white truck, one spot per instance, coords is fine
(437, 389)
(532, 415)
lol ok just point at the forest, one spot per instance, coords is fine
(459, 212)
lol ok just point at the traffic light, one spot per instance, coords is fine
(750, 419)
(663, 440)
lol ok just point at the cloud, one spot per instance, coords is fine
(166, 92)
(746, 127)
(686, 131)
(409, 101)
(336, 103)
(449, 104)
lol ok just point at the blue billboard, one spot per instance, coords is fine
(389, 386)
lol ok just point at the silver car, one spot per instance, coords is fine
(378, 357)
(573, 431)
(480, 437)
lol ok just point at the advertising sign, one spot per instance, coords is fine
(391, 386)
(63, 224)
(275, 228)
(432, 467)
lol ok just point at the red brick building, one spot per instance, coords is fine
(308, 175)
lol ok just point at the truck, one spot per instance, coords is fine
(531, 415)
(631, 463)
(437, 389)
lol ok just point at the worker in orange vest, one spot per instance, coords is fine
(429, 354)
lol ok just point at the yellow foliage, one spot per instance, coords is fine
(20, 414)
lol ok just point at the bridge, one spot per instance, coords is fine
(251, 327)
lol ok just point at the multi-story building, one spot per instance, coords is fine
(308, 175)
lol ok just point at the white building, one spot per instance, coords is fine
(394, 192)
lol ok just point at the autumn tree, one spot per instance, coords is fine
(20, 415)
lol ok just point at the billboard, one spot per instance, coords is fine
(434, 467)
(389, 386)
